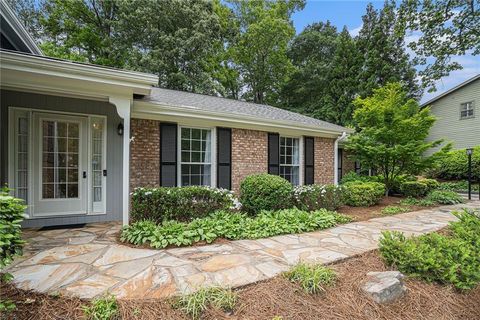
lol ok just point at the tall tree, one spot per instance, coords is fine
(446, 28)
(381, 43)
(174, 39)
(311, 53)
(260, 52)
(391, 133)
(83, 30)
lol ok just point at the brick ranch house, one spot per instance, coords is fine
(77, 138)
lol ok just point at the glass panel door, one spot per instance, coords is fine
(97, 129)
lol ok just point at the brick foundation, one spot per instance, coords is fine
(249, 154)
(144, 153)
(324, 160)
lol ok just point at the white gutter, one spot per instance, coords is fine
(335, 148)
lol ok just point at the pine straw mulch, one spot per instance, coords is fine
(375, 211)
(279, 297)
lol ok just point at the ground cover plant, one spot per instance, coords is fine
(457, 186)
(453, 258)
(195, 303)
(312, 278)
(228, 225)
(104, 308)
(179, 203)
(315, 196)
(363, 194)
(444, 197)
(265, 192)
(390, 210)
(410, 201)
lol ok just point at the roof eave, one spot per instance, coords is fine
(459, 86)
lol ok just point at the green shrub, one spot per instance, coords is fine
(416, 202)
(11, 243)
(414, 189)
(312, 278)
(444, 197)
(314, 197)
(354, 177)
(194, 304)
(453, 166)
(363, 194)
(448, 259)
(432, 184)
(11, 215)
(390, 210)
(104, 308)
(228, 225)
(179, 203)
(265, 192)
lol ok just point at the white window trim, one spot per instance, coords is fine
(213, 154)
(300, 156)
(13, 115)
(472, 107)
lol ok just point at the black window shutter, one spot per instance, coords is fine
(224, 158)
(274, 153)
(309, 160)
(168, 154)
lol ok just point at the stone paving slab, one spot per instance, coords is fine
(88, 262)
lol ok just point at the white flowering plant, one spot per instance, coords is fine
(317, 196)
(180, 203)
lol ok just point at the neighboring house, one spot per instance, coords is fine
(77, 138)
(458, 115)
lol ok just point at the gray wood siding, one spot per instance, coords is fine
(114, 148)
(462, 133)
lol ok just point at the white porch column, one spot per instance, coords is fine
(123, 106)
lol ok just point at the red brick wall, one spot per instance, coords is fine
(249, 154)
(324, 160)
(144, 153)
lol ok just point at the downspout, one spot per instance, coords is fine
(335, 172)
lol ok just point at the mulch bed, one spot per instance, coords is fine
(366, 213)
(279, 297)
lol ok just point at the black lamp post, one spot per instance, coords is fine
(469, 154)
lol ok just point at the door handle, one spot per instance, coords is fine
(84, 174)
(104, 173)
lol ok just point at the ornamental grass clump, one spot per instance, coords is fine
(452, 259)
(311, 277)
(195, 303)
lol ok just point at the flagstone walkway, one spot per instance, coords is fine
(87, 262)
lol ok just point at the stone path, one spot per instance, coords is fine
(87, 262)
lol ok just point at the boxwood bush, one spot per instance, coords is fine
(315, 196)
(265, 192)
(179, 203)
(447, 259)
(363, 194)
(418, 188)
(11, 215)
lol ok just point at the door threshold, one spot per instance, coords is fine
(63, 226)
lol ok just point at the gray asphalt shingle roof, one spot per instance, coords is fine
(230, 106)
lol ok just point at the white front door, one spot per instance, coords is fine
(60, 164)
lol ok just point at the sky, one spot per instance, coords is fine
(349, 13)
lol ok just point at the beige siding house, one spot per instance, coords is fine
(458, 115)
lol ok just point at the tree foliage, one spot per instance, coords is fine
(446, 28)
(391, 132)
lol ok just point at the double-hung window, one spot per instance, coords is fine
(196, 156)
(467, 110)
(290, 159)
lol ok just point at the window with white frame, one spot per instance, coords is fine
(196, 156)
(467, 110)
(290, 159)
